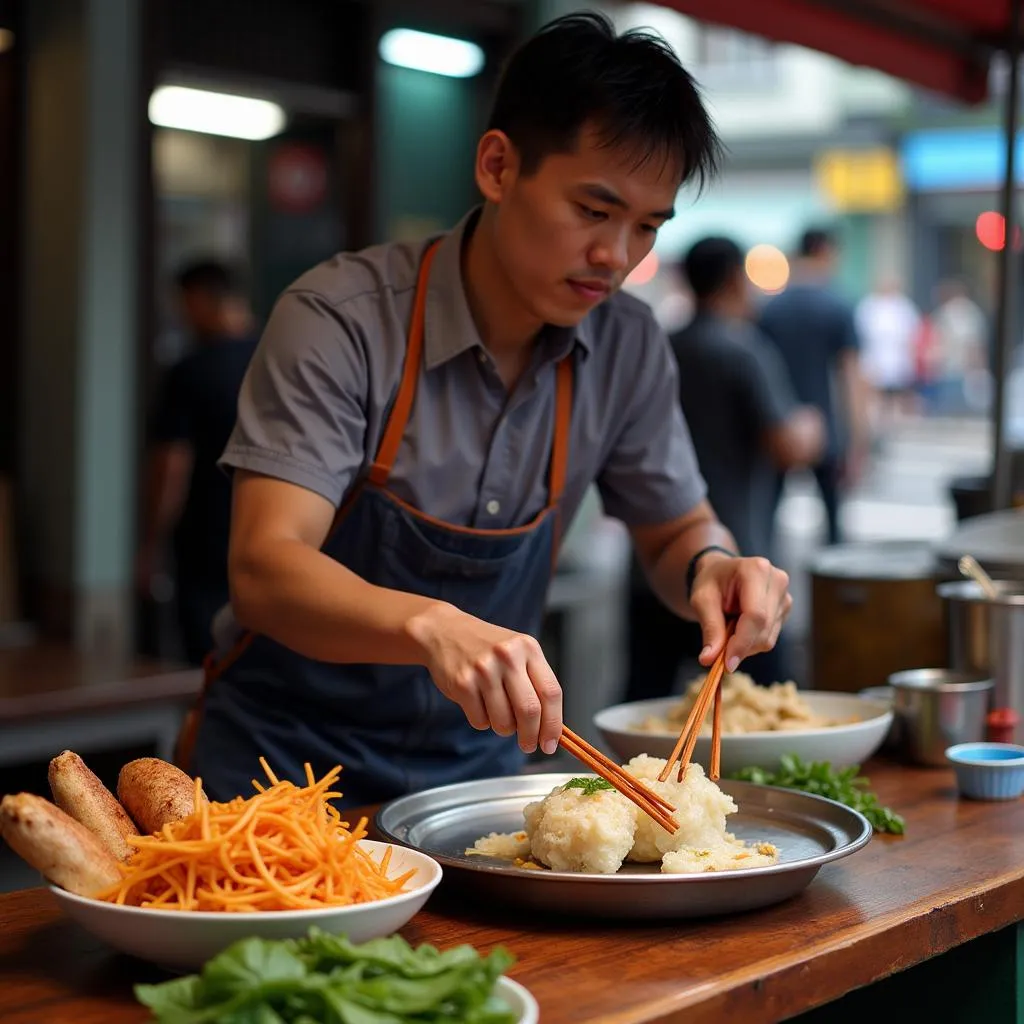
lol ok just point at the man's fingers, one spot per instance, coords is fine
(750, 637)
(490, 682)
(549, 694)
(706, 602)
(472, 705)
(466, 692)
(764, 602)
(533, 692)
(526, 707)
(499, 711)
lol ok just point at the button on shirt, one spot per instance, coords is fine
(319, 389)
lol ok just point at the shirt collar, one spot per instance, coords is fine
(449, 329)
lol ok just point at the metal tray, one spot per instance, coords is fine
(808, 830)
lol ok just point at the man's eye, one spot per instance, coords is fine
(589, 213)
(649, 229)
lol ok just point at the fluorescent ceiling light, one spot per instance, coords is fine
(215, 113)
(422, 51)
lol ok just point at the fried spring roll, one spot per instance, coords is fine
(155, 793)
(63, 850)
(78, 791)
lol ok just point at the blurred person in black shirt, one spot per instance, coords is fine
(814, 330)
(187, 498)
(747, 426)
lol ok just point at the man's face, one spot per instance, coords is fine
(200, 310)
(571, 232)
(828, 258)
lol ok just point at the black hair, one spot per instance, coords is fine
(212, 276)
(709, 265)
(815, 240)
(575, 71)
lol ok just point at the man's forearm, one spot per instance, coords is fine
(166, 484)
(858, 394)
(667, 572)
(313, 605)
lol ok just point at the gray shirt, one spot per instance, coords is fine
(319, 389)
(734, 388)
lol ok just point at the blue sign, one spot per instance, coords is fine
(946, 159)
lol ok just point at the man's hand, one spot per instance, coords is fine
(751, 590)
(499, 678)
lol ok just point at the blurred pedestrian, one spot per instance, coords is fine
(187, 500)
(960, 330)
(889, 324)
(747, 426)
(815, 332)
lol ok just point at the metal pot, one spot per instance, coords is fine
(987, 636)
(874, 611)
(938, 708)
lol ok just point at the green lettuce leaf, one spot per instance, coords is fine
(326, 979)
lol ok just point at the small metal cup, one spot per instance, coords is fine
(938, 708)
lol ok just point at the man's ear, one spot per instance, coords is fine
(497, 165)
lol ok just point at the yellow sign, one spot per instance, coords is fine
(860, 180)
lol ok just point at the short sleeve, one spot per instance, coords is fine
(302, 407)
(763, 389)
(171, 421)
(650, 475)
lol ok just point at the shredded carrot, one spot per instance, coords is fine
(286, 848)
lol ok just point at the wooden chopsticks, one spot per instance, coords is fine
(631, 788)
(710, 691)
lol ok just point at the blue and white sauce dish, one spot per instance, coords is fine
(988, 771)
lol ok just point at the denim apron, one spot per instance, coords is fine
(388, 725)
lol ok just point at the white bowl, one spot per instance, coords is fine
(842, 745)
(519, 999)
(184, 940)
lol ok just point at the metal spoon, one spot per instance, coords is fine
(970, 567)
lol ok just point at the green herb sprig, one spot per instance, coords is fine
(819, 777)
(588, 786)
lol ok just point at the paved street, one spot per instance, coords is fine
(904, 495)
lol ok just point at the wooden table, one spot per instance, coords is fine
(53, 697)
(954, 883)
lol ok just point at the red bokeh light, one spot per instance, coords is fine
(991, 231)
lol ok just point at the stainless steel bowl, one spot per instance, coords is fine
(938, 708)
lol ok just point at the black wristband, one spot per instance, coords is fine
(691, 569)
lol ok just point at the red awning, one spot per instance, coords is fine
(944, 45)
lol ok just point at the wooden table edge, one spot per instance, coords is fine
(744, 990)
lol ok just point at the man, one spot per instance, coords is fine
(959, 333)
(747, 426)
(454, 399)
(188, 499)
(813, 329)
(888, 326)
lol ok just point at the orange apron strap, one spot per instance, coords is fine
(213, 667)
(563, 422)
(381, 468)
